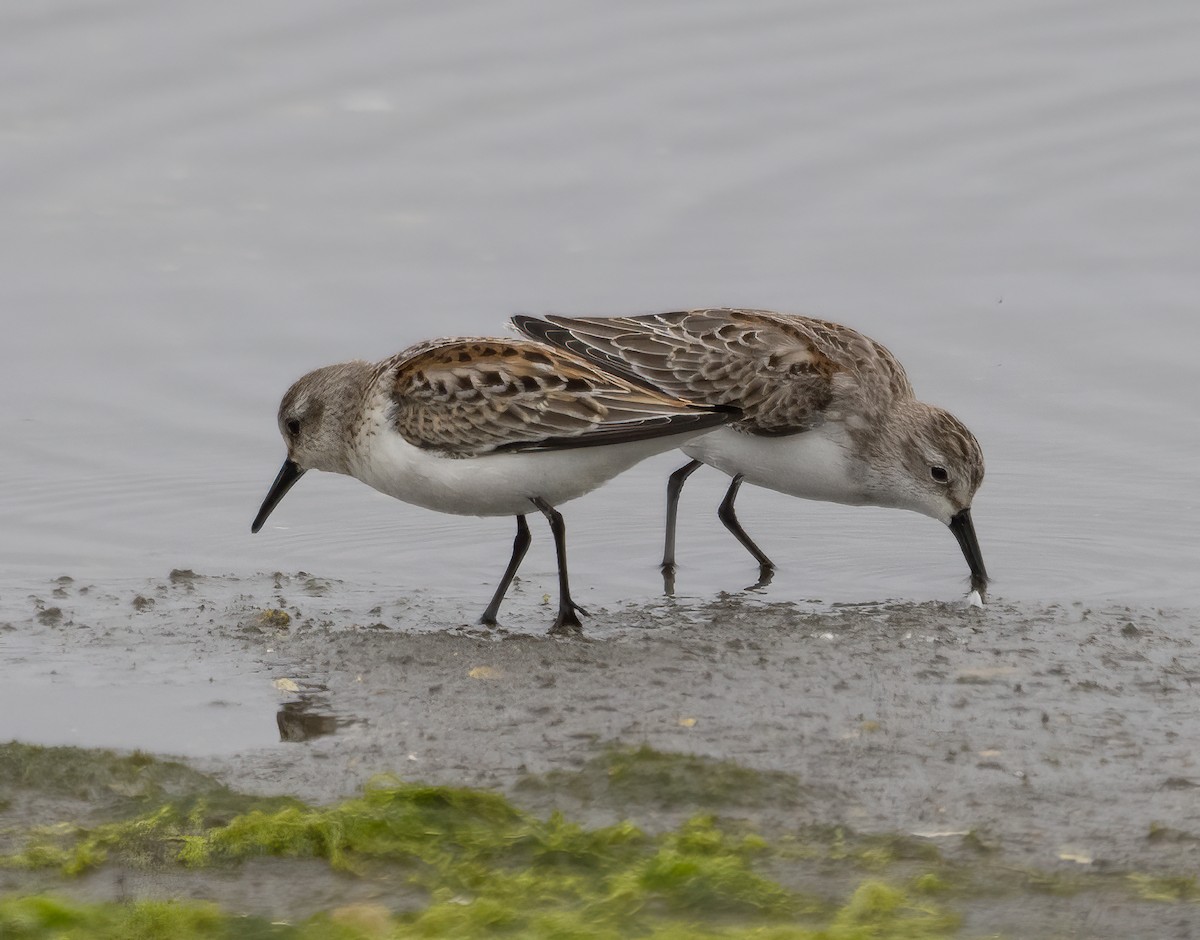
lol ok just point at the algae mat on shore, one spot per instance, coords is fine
(479, 865)
(406, 859)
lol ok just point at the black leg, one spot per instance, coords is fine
(766, 567)
(674, 488)
(520, 547)
(567, 621)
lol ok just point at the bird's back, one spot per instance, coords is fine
(786, 373)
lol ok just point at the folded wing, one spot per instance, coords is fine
(785, 373)
(475, 396)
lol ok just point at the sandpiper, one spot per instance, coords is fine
(482, 427)
(826, 413)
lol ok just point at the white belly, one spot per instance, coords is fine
(813, 465)
(494, 484)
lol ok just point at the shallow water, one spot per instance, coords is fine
(200, 206)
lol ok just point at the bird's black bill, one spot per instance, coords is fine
(964, 530)
(289, 473)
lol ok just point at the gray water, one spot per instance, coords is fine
(200, 202)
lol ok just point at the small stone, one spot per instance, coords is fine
(275, 619)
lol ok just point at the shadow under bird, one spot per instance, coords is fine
(481, 427)
(826, 413)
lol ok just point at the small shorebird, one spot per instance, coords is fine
(826, 413)
(481, 427)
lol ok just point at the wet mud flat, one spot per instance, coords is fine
(921, 770)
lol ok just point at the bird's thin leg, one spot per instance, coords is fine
(674, 488)
(726, 514)
(566, 621)
(520, 547)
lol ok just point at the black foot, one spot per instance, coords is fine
(766, 574)
(567, 622)
(668, 573)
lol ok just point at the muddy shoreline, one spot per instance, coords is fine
(1061, 730)
(1059, 738)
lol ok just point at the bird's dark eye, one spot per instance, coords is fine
(939, 474)
(293, 427)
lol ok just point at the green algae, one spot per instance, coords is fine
(480, 865)
(874, 912)
(1169, 889)
(113, 785)
(473, 864)
(873, 851)
(55, 918)
(622, 776)
(35, 918)
(130, 801)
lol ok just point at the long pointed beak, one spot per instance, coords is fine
(289, 473)
(964, 531)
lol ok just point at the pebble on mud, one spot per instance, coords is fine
(277, 619)
(1072, 854)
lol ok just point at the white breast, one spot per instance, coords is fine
(493, 484)
(813, 465)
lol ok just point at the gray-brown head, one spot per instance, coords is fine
(939, 471)
(315, 419)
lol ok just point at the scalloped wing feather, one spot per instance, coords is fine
(474, 396)
(787, 373)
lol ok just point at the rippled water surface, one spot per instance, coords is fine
(202, 202)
